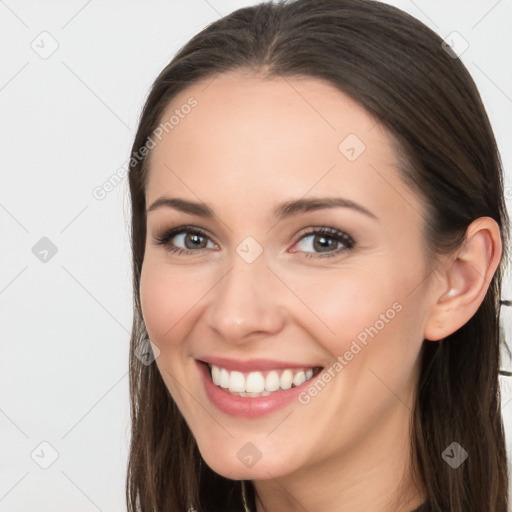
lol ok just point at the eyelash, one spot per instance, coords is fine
(335, 234)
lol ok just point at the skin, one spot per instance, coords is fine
(248, 145)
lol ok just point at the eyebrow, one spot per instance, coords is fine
(283, 210)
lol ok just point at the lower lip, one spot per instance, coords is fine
(250, 407)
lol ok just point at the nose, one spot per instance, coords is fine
(245, 303)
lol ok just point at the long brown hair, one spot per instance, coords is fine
(399, 71)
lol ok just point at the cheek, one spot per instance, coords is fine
(370, 313)
(342, 305)
(167, 295)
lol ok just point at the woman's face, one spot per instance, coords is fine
(264, 297)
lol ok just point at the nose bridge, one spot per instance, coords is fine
(245, 300)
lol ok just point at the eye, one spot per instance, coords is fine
(324, 240)
(192, 238)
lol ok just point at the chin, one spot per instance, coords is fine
(243, 460)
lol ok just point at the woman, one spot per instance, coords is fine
(319, 236)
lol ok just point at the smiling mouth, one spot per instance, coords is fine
(260, 383)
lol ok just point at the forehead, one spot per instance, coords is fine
(253, 138)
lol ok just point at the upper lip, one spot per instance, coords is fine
(250, 365)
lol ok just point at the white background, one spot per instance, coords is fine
(67, 124)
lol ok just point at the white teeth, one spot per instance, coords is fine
(272, 381)
(299, 378)
(254, 384)
(216, 375)
(224, 378)
(236, 382)
(286, 379)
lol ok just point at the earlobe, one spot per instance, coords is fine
(465, 279)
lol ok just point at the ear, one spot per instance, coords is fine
(464, 279)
